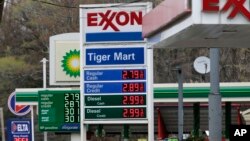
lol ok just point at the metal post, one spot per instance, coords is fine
(180, 103)
(215, 115)
(2, 124)
(228, 119)
(125, 132)
(150, 97)
(32, 122)
(196, 109)
(44, 60)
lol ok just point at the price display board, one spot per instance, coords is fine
(118, 94)
(59, 110)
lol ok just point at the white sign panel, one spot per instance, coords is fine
(113, 23)
(65, 59)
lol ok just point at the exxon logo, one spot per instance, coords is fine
(237, 7)
(110, 19)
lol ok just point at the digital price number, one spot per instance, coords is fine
(133, 100)
(72, 107)
(133, 74)
(134, 113)
(21, 139)
(133, 87)
(115, 113)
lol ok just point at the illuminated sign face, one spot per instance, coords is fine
(107, 24)
(237, 7)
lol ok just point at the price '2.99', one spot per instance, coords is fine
(133, 100)
(134, 113)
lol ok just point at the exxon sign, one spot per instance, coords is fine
(113, 23)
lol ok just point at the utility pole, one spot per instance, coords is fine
(215, 112)
(2, 124)
(180, 103)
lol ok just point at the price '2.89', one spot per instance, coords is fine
(133, 87)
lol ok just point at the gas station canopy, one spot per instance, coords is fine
(198, 23)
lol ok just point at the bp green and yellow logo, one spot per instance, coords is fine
(71, 63)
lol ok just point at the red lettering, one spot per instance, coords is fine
(119, 17)
(92, 19)
(136, 18)
(238, 8)
(210, 5)
(21, 139)
(111, 19)
(108, 21)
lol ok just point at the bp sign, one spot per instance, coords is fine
(64, 59)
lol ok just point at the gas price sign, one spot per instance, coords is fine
(59, 110)
(115, 60)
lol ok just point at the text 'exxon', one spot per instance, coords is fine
(112, 19)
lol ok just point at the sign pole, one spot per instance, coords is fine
(150, 96)
(180, 104)
(215, 114)
(2, 124)
(32, 122)
(44, 60)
